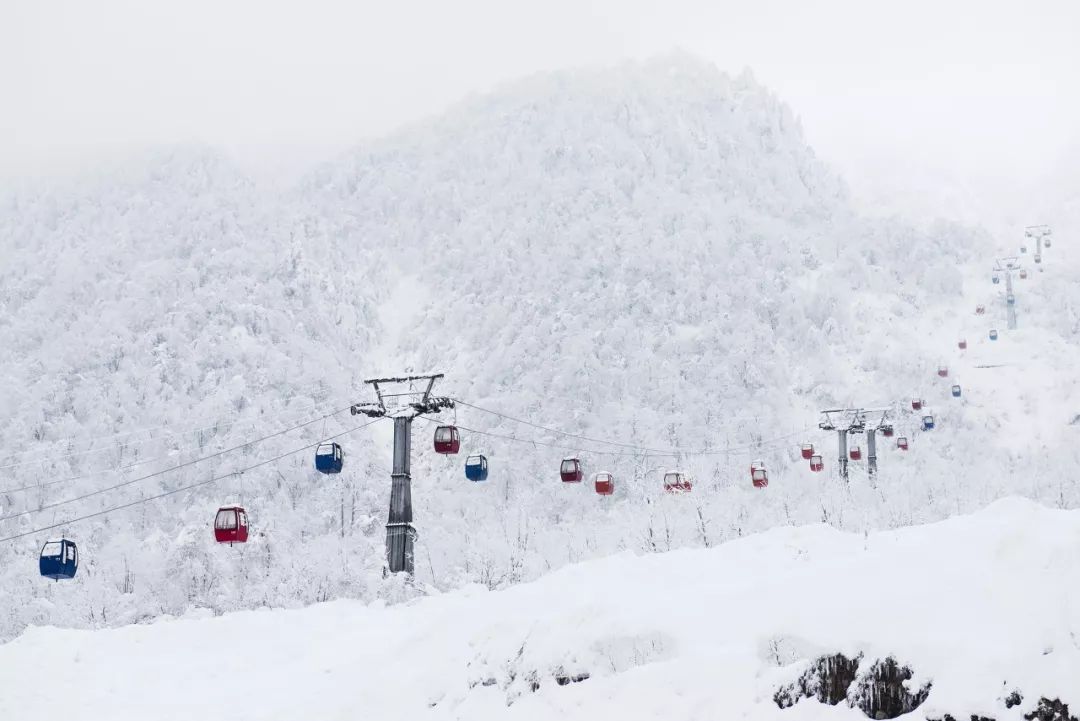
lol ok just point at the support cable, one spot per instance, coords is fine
(188, 487)
(119, 469)
(178, 466)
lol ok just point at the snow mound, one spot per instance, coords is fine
(975, 607)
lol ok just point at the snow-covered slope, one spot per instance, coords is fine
(649, 255)
(977, 607)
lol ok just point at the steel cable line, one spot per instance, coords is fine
(644, 450)
(178, 466)
(46, 484)
(556, 431)
(106, 471)
(111, 446)
(185, 488)
(764, 443)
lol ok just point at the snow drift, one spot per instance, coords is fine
(978, 608)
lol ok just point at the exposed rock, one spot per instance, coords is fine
(827, 680)
(1050, 710)
(881, 692)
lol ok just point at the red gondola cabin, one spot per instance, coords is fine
(807, 450)
(901, 443)
(231, 525)
(962, 344)
(855, 453)
(887, 431)
(980, 310)
(677, 482)
(916, 404)
(758, 475)
(943, 371)
(447, 440)
(605, 484)
(570, 470)
(817, 464)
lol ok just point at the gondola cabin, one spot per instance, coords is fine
(758, 475)
(962, 344)
(447, 440)
(1023, 275)
(817, 463)
(476, 468)
(916, 404)
(993, 335)
(956, 391)
(807, 450)
(1038, 258)
(1010, 299)
(570, 470)
(1023, 248)
(329, 458)
(943, 371)
(887, 431)
(1046, 242)
(996, 280)
(902, 443)
(231, 525)
(928, 423)
(980, 310)
(59, 559)
(855, 453)
(604, 483)
(677, 482)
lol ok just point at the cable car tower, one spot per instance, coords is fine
(873, 420)
(843, 421)
(402, 406)
(1006, 266)
(1039, 233)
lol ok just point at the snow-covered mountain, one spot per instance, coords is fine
(649, 255)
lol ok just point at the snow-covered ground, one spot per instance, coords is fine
(978, 605)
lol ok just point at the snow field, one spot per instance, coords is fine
(980, 605)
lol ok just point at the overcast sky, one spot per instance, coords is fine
(971, 85)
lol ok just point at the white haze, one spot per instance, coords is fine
(901, 98)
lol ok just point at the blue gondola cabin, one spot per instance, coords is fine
(476, 468)
(928, 423)
(956, 391)
(59, 560)
(993, 335)
(329, 458)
